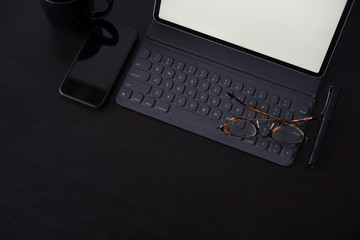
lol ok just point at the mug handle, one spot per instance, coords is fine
(97, 15)
(111, 30)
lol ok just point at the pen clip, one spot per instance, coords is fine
(331, 89)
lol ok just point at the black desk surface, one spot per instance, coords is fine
(70, 172)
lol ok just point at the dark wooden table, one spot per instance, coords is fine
(71, 172)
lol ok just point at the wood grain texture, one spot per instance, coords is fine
(71, 172)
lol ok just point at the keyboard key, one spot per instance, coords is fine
(192, 105)
(213, 77)
(180, 101)
(225, 95)
(249, 90)
(262, 144)
(168, 73)
(226, 106)
(249, 114)
(251, 102)
(125, 93)
(251, 140)
(204, 109)
(161, 106)
(192, 82)
(273, 99)
(202, 73)
(137, 97)
(238, 110)
(300, 108)
(180, 77)
(264, 129)
(215, 114)
(149, 101)
(155, 80)
(285, 103)
(227, 116)
(214, 101)
(275, 111)
(138, 86)
(287, 153)
(169, 96)
(204, 85)
(167, 61)
(237, 86)
(263, 106)
(156, 57)
(179, 65)
(202, 97)
(167, 84)
(157, 69)
(190, 69)
(157, 92)
(138, 74)
(240, 97)
(178, 88)
(144, 53)
(261, 94)
(190, 92)
(275, 148)
(226, 82)
(142, 64)
(215, 90)
(287, 115)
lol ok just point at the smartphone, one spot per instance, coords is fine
(98, 63)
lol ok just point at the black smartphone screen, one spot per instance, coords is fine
(96, 66)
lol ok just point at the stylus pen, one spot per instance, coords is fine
(327, 112)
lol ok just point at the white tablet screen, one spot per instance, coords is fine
(298, 32)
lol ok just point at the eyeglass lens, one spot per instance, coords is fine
(288, 134)
(240, 128)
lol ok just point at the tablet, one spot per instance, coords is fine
(297, 34)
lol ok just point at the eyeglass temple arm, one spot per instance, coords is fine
(289, 121)
(254, 109)
(267, 114)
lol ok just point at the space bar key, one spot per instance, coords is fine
(193, 118)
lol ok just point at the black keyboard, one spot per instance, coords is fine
(190, 92)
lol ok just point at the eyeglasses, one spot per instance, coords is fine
(287, 132)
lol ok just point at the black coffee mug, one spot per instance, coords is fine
(74, 14)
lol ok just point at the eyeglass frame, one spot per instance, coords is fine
(276, 119)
